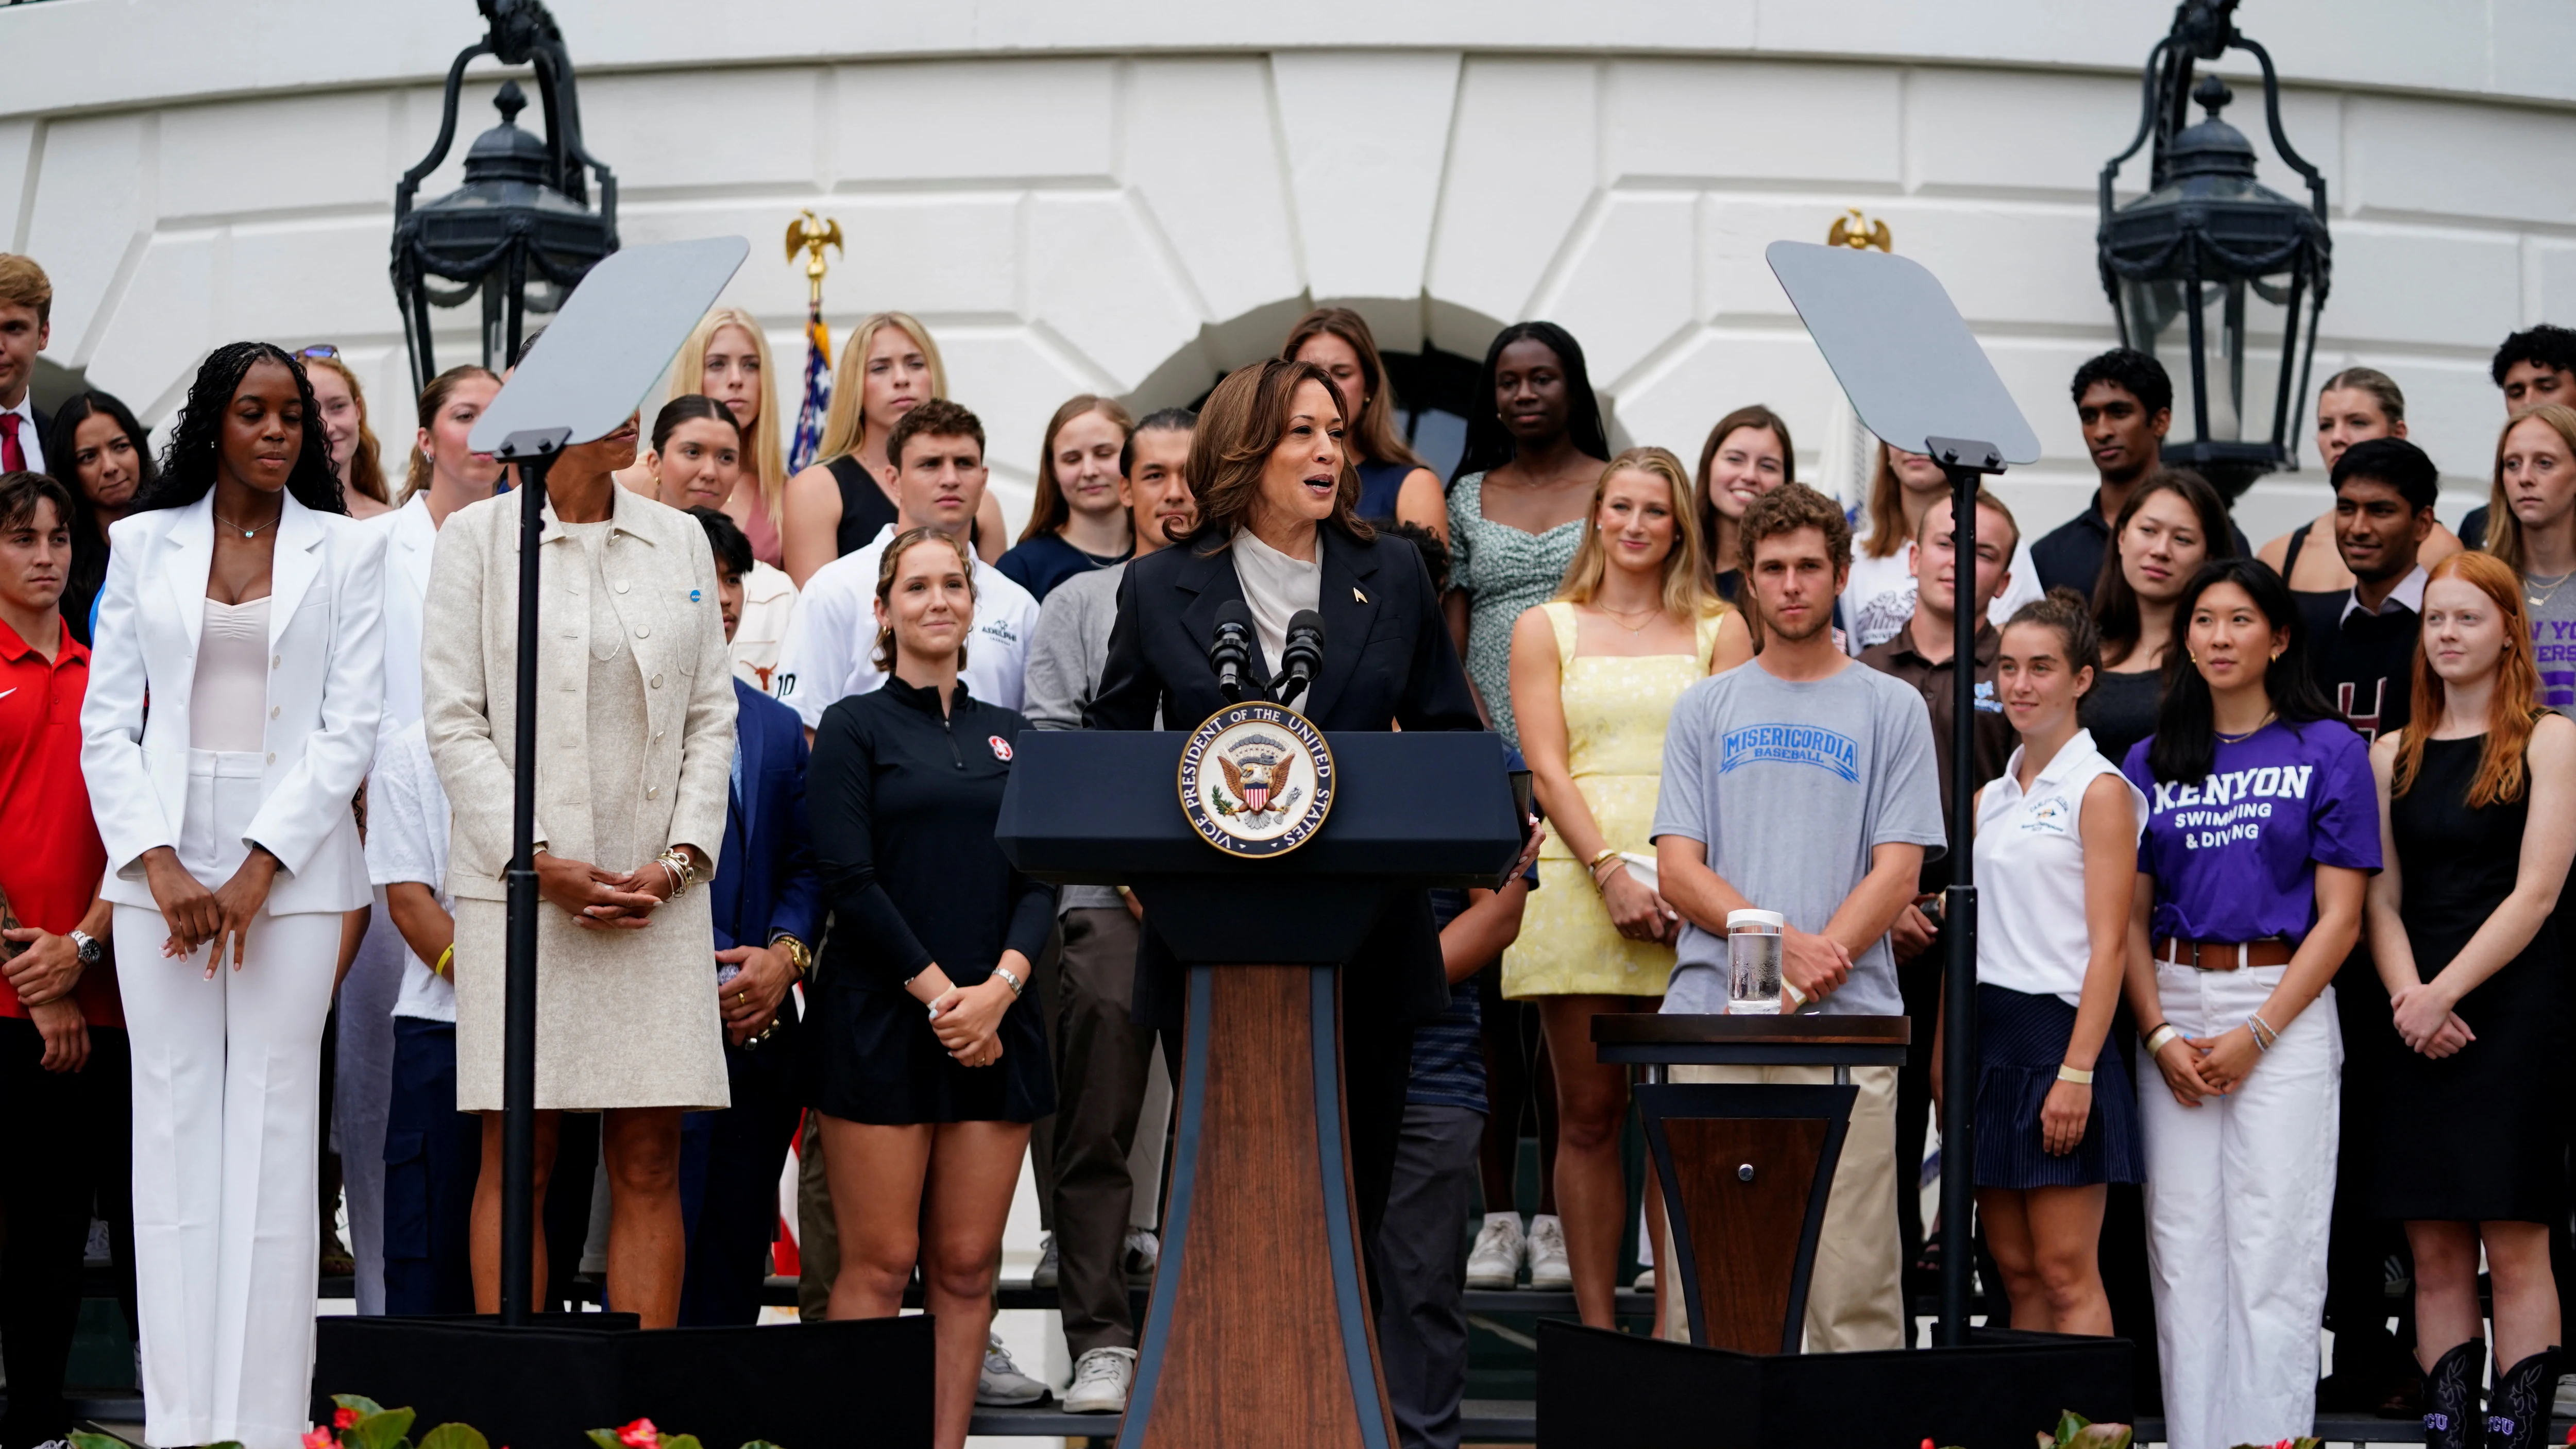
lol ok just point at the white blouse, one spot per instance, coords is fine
(2031, 934)
(1278, 588)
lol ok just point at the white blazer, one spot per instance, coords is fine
(410, 538)
(326, 689)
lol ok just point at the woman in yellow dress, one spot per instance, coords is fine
(1595, 672)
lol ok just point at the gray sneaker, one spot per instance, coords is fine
(1100, 1381)
(1043, 1275)
(1001, 1385)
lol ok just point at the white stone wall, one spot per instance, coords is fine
(1129, 199)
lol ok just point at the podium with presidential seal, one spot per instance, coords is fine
(1262, 852)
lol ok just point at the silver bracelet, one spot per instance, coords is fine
(1012, 980)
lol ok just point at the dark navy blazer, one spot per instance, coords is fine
(765, 881)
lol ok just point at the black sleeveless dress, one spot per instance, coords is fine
(865, 509)
(2473, 1137)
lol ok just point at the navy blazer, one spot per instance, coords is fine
(1388, 660)
(765, 881)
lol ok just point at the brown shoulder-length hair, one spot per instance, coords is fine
(432, 399)
(1239, 425)
(2511, 714)
(2504, 531)
(1753, 416)
(1050, 510)
(1373, 434)
(2115, 604)
(1687, 594)
(890, 561)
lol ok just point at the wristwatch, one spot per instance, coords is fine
(92, 950)
(799, 956)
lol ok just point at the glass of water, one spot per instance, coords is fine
(1753, 962)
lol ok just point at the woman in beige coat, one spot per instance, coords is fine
(635, 738)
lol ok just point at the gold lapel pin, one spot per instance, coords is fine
(1358, 598)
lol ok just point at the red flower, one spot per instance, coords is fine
(319, 1438)
(345, 1419)
(640, 1435)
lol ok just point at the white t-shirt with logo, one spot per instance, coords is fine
(832, 636)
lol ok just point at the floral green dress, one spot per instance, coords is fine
(1502, 570)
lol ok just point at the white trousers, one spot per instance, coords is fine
(227, 1104)
(2239, 1193)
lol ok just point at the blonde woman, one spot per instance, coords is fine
(1594, 673)
(727, 358)
(842, 502)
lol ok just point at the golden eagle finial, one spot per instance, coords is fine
(1858, 232)
(810, 236)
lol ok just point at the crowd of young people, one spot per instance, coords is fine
(2274, 841)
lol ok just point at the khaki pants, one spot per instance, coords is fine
(1856, 1294)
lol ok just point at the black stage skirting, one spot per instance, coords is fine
(1603, 1390)
(865, 1382)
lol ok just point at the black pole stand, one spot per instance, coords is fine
(1966, 463)
(534, 451)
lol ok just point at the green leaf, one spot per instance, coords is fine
(680, 1441)
(384, 1429)
(455, 1436)
(81, 1440)
(2101, 1436)
(360, 1402)
(606, 1439)
(760, 1444)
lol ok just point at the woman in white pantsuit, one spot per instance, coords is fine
(635, 729)
(2262, 830)
(244, 603)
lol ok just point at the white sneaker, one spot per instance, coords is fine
(1043, 1275)
(1001, 1385)
(1550, 1270)
(1100, 1380)
(1495, 1261)
(1645, 1280)
(1144, 1251)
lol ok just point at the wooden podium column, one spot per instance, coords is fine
(1258, 1331)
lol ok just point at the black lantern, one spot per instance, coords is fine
(520, 232)
(2221, 279)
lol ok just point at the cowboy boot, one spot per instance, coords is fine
(2518, 1410)
(2451, 1418)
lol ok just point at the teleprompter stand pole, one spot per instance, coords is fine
(1966, 464)
(534, 451)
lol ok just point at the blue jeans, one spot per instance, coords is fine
(433, 1154)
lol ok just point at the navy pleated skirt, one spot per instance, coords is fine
(2021, 1042)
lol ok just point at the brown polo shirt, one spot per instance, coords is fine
(1937, 684)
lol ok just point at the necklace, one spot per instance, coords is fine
(2249, 734)
(1621, 616)
(248, 532)
(2541, 600)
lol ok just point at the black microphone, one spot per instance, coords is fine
(1302, 656)
(1231, 650)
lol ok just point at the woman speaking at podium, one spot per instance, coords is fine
(1278, 532)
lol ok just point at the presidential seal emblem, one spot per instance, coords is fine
(1256, 779)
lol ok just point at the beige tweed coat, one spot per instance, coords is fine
(635, 740)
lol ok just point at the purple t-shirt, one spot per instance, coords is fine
(2234, 855)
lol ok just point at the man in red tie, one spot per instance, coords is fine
(26, 318)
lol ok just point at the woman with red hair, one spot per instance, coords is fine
(2477, 809)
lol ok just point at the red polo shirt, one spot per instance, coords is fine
(52, 861)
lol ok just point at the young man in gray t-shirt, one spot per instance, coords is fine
(1804, 783)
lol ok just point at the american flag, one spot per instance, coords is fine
(818, 390)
